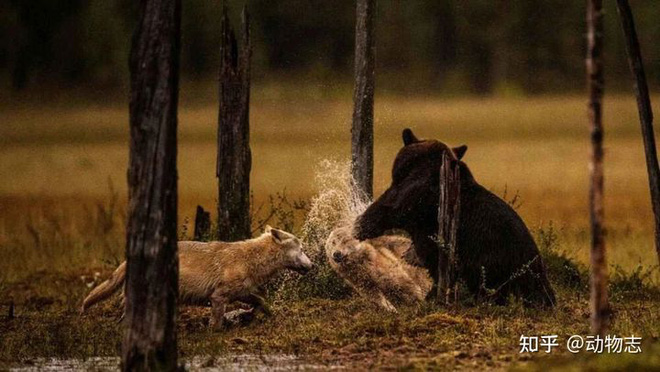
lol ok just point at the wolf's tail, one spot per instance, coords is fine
(105, 289)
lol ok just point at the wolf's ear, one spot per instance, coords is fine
(267, 229)
(408, 137)
(278, 235)
(460, 151)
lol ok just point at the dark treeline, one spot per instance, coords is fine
(478, 46)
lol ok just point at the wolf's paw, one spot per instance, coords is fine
(386, 304)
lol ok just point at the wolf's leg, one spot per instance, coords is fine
(122, 305)
(385, 303)
(121, 318)
(218, 305)
(257, 302)
(416, 293)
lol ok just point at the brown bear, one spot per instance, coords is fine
(497, 255)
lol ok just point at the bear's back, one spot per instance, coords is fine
(495, 245)
(487, 218)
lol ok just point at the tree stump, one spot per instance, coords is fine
(234, 160)
(362, 130)
(448, 213)
(645, 111)
(595, 81)
(202, 224)
(151, 287)
(11, 310)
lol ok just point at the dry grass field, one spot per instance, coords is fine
(62, 195)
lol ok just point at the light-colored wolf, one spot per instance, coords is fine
(222, 272)
(375, 268)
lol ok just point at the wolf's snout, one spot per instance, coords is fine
(338, 257)
(303, 264)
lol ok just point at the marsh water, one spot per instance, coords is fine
(232, 362)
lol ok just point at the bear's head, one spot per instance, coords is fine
(411, 201)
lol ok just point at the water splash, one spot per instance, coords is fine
(337, 203)
(381, 274)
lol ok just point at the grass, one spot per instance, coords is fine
(349, 332)
(62, 198)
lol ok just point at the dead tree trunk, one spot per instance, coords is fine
(362, 130)
(595, 81)
(202, 224)
(234, 158)
(10, 311)
(448, 213)
(150, 341)
(644, 108)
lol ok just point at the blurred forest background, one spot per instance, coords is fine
(449, 46)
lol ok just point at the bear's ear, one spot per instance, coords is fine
(408, 137)
(460, 151)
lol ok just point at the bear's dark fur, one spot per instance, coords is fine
(495, 249)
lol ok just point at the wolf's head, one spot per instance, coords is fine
(340, 245)
(294, 258)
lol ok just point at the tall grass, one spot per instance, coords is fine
(55, 162)
(60, 236)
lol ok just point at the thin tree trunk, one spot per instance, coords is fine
(599, 303)
(202, 224)
(645, 111)
(234, 157)
(151, 290)
(448, 213)
(10, 311)
(362, 130)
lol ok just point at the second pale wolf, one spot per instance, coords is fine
(375, 268)
(222, 272)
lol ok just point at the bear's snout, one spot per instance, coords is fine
(363, 230)
(374, 221)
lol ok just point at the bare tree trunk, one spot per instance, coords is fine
(10, 311)
(644, 108)
(234, 157)
(202, 224)
(362, 131)
(448, 213)
(151, 290)
(599, 304)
